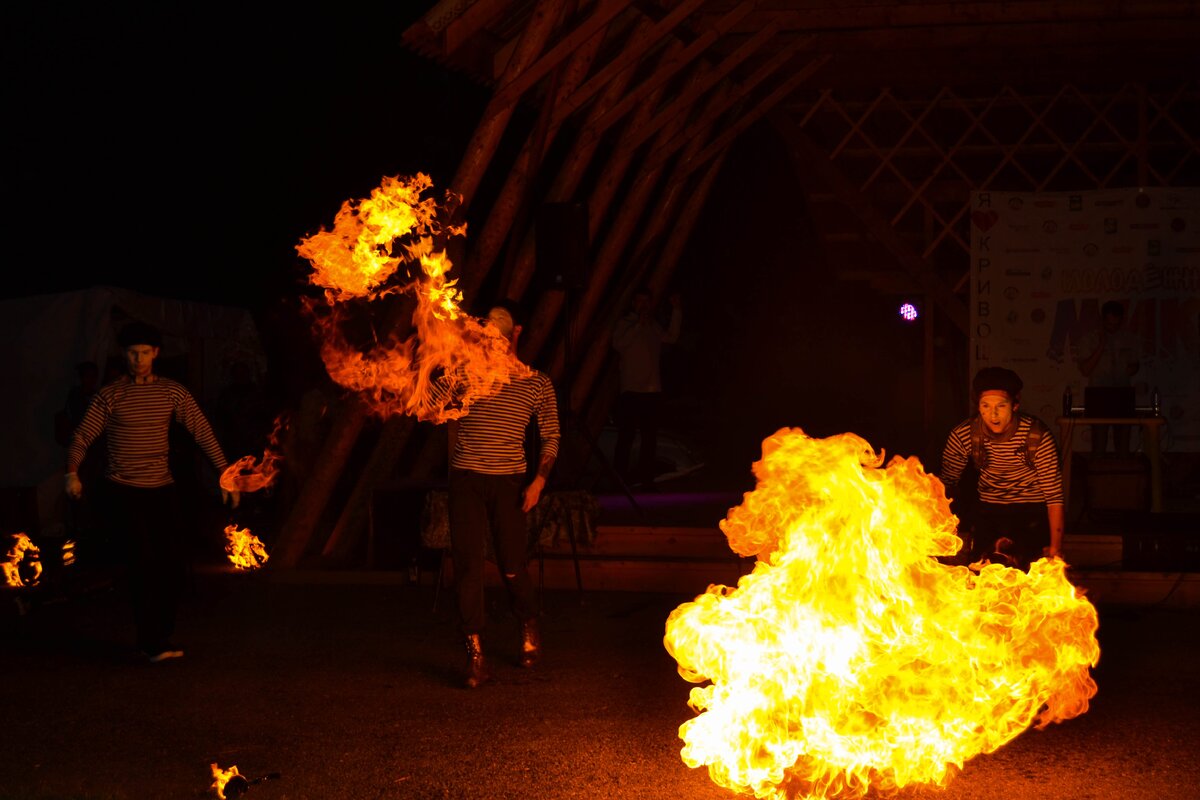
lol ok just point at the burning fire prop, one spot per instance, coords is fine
(851, 660)
(389, 247)
(229, 783)
(244, 549)
(250, 475)
(22, 556)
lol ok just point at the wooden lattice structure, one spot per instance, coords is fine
(893, 111)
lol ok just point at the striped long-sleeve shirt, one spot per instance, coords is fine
(491, 437)
(1006, 477)
(137, 418)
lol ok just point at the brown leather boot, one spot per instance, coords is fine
(477, 669)
(531, 643)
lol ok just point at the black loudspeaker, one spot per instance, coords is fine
(561, 231)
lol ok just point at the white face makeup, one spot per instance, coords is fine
(996, 409)
(502, 320)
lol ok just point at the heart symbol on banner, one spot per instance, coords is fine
(984, 220)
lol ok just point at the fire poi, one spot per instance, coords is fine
(244, 550)
(852, 660)
(249, 474)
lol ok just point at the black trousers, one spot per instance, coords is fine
(1025, 524)
(486, 509)
(637, 413)
(147, 531)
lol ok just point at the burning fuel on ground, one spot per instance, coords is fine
(852, 660)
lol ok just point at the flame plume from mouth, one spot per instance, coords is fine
(386, 249)
(851, 660)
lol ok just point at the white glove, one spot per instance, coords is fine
(74, 487)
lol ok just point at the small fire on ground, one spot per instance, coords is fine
(244, 549)
(22, 565)
(221, 778)
(851, 660)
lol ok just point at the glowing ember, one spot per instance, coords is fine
(851, 660)
(22, 556)
(246, 475)
(380, 250)
(244, 549)
(68, 552)
(221, 779)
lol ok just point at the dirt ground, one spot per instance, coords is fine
(347, 687)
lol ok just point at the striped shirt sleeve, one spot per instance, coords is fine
(956, 453)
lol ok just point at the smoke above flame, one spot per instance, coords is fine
(385, 260)
(851, 660)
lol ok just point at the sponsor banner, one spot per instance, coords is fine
(1044, 264)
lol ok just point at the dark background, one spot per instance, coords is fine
(185, 153)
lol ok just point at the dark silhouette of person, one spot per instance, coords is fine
(638, 338)
(140, 499)
(1112, 360)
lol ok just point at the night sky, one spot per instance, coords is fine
(185, 153)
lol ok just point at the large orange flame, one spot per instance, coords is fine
(851, 659)
(386, 247)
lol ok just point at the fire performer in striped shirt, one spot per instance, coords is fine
(139, 493)
(490, 497)
(1019, 517)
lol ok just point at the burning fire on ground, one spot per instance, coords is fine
(384, 252)
(851, 660)
(221, 778)
(22, 557)
(244, 549)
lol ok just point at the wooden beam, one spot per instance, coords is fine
(742, 89)
(496, 115)
(514, 198)
(519, 273)
(764, 105)
(296, 534)
(550, 304)
(660, 277)
(641, 43)
(473, 19)
(594, 24)
(669, 67)
(684, 102)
